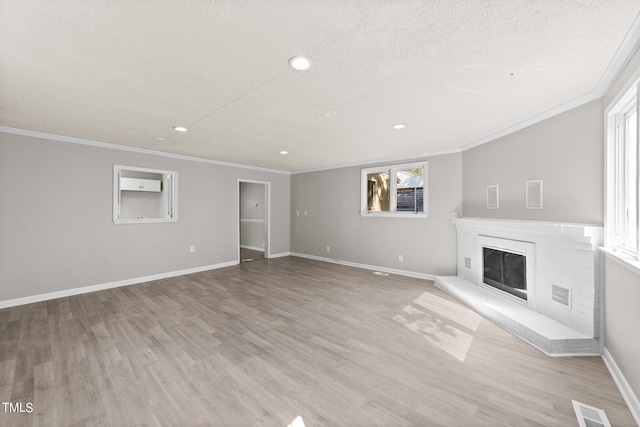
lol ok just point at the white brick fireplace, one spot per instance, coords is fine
(562, 312)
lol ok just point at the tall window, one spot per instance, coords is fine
(397, 190)
(622, 174)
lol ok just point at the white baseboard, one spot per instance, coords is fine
(253, 248)
(280, 255)
(109, 285)
(367, 266)
(627, 393)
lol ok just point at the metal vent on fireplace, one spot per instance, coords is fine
(560, 294)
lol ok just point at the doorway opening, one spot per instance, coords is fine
(253, 220)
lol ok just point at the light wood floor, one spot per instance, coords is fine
(247, 255)
(263, 342)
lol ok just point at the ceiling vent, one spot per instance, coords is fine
(588, 416)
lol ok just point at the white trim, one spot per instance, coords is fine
(367, 266)
(267, 215)
(633, 80)
(526, 222)
(625, 389)
(393, 215)
(280, 255)
(392, 170)
(117, 182)
(93, 143)
(627, 48)
(93, 288)
(615, 149)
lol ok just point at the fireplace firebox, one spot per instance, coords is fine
(506, 271)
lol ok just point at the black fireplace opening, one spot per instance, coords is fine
(506, 271)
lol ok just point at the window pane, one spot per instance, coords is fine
(378, 192)
(410, 190)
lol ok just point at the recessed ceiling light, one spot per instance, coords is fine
(180, 128)
(284, 152)
(299, 63)
(399, 126)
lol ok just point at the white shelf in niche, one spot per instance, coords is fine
(139, 184)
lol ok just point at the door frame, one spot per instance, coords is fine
(267, 215)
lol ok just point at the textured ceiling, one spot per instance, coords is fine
(455, 71)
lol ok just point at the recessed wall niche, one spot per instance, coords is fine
(534, 194)
(493, 197)
(142, 195)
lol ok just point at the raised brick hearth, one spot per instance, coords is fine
(561, 259)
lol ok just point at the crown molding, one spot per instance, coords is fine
(533, 120)
(621, 57)
(629, 45)
(111, 146)
(373, 162)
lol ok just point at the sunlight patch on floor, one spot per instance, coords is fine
(449, 309)
(297, 422)
(439, 321)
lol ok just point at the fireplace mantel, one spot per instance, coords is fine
(565, 261)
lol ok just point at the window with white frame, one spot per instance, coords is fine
(395, 190)
(622, 174)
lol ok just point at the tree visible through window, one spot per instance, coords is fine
(378, 194)
(404, 194)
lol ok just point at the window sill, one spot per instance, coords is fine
(144, 220)
(392, 215)
(626, 261)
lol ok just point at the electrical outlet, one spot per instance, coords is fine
(192, 249)
(328, 248)
(305, 213)
(400, 258)
(297, 213)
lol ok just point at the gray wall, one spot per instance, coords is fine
(56, 227)
(565, 151)
(622, 321)
(332, 201)
(622, 288)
